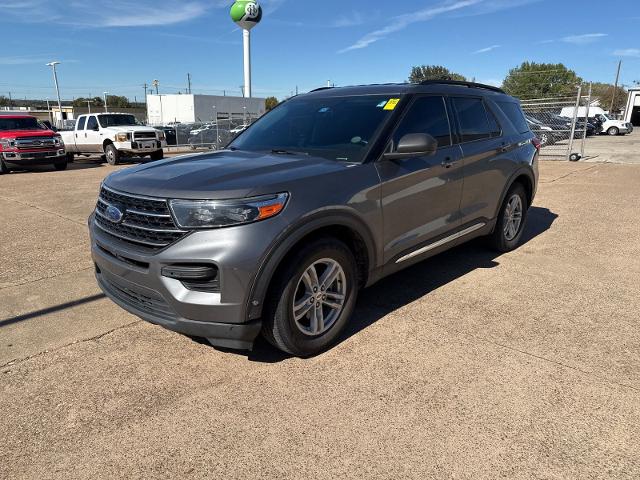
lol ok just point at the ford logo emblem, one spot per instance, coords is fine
(37, 142)
(114, 214)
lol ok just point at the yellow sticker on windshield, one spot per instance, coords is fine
(391, 104)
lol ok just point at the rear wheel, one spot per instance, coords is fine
(112, 154)
(157, 155)
(613, 131)
(60, 165)
(312, 298)
(507, 234)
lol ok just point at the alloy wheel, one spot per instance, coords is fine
(320, 296)
(513, 217)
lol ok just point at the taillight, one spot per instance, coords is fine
(536, 143)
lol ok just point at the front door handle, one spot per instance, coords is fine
(448, 162)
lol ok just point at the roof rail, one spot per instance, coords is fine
(462, 84)
(320, 88)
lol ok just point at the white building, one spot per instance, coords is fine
(632, 112)
(165, 109)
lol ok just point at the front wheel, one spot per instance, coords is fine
(613, 131)
(112, 155)
(507, 234)
(312, 298)
(157, 155)
(60, 165)
(3, 167)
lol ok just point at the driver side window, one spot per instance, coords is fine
(426, 115)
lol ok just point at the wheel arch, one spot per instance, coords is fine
(524, 176)
(344, 226)
(105, 143)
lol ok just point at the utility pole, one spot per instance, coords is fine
(189, 83)
(615, 89)
(156, 83)
(89, 104)
(145, 86)
(10, 101)
(55, 81)
(106, 109)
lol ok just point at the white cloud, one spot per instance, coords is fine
(487, 49)
(628, 52)
(26, 59)
(584, 38)
(400, 22)
(352, 20)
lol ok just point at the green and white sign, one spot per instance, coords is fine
(246, 14)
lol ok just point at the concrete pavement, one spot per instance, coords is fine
(469, 365)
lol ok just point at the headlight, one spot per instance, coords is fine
(191, 214)
(7, 142)
(122, 137)
(57, 141)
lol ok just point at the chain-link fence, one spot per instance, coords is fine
(562, 124)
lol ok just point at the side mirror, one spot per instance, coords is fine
(96, 128)
(414, 145)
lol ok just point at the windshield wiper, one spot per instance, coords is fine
(278, 151)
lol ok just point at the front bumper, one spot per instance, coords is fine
(132, 277)
(33, 157)
(140, 147)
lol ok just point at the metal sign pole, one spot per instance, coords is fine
(573, 123)
(586, 122)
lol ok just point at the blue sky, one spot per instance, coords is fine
(117, 45)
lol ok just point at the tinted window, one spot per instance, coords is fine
(473, 119)
(336, 128)
(426, 115)
(117, 120)
(20, 123)
(81, 122)
(92, 123)
(514, 114)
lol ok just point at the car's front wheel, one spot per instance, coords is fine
(3, 168)
(61, 164)
(507, 234)
(312, 298)
(112, 154)
(613, 131)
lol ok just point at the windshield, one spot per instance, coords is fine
(25, 123)
(336, 128)
(117, 120)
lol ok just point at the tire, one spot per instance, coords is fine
(157, 155)
(500, 240)
(112, 155)
(60, 165)
(3, 168)
(305, 337)
(613, 131)
(70, 157)
(574, 157)
(546, 139)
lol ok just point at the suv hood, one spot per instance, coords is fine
(221, 175)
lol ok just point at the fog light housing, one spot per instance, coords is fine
(197, 277)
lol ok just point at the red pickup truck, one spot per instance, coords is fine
(24, 141)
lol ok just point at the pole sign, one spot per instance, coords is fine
(246, 14)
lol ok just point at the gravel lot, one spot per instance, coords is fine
(469, 365)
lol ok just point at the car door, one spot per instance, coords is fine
(421, 195)
(93, 137)
(79, 134)
(487, 158)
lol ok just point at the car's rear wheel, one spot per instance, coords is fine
(112, 154)
(507, 234)
(312, 298)
(613, 131)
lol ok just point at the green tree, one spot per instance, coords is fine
(82, 102)
(118, 101)
(603, 92)
(4, 101)
(541, 80)
(433, 72)
(270, 103)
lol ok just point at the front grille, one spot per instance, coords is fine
(36, 155)
(146, 221)
(34, 142)
(144, 135)
(140, 301)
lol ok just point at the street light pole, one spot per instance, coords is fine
(55, 81)
(217, 129)
(106, 108)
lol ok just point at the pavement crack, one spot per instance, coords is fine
(95, 338)
(31, 205)
(44, 278)
(575, 172)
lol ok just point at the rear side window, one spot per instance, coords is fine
(514, 113)
(426, 115)
(476, 123)
(92, 123)
(81, 123)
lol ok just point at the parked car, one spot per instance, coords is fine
(116, 135)
(543, 132)
(610, 125)
(169, 134)
(324, 195)
(24, 141)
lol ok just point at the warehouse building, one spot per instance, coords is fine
(632, 112)
(168, 109)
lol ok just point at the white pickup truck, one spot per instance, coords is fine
(116, 135)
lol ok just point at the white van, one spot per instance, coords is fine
(610, 125)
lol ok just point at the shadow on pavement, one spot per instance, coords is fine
(48, 310)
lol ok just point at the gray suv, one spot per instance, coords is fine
(324, 195)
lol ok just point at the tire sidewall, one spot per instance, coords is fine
(111, 159)
(297, 342)
(613, 131)
(507, 245)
